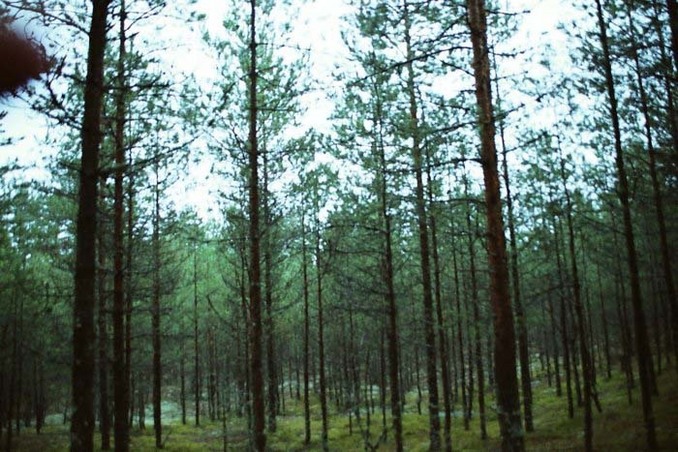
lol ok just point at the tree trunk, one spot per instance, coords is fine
(475, 301)
(155, 315)
(271, 366)
(460, 338)
(508, 400)
(521, 325)
(424, 249)
(196, 349)
(307, 334)
(256, 372)
(321, 334)
(656, 189)
(388, 276)
(581, 321)
(121, 428)
(642, 348)
(564, 334)
(82, 420)
(442, 342)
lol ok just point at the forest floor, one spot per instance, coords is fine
(618, 428)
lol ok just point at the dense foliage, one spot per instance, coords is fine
(393, 243)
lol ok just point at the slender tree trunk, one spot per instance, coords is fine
(656, 189)
(442, 343)
(642, 348)
(256, 371)
(521, 325)
(196, 350)
(268, 284)
(82, 420)
(424, 248)
(127, 393)
(508, 400)
(321, 334)
(182, 396)
(460, 339)
(388, 275)
(155, 315)
(121, 428)
(475, 301)
(564, 334)
(12, 403)
(307, 334)
(581, 321)
(668, 71)
(604, 322)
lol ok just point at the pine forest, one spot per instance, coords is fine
(338, 225)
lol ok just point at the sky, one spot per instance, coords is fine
(317, 25)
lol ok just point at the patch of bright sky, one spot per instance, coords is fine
(316, 26)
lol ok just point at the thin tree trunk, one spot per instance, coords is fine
(182, 394)
(642, 348)
(460, 339)
(521, 325)
(508, 400)
(256, 372)
(581, 322)
(475, 301)
(84, 368)
(656, 190)
(155, 315)
(424, 249)
(196, 349)
(388, 275)
(127, 393)
(442, 343)
(606, 334)
(307, 334)
(321, 334)
(121, 428)
(270, 324)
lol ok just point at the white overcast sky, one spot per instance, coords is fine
(317, 27)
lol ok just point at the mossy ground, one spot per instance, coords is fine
(618, 428)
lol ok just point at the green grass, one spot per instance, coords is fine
(618, 428)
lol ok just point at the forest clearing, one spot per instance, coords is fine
(338, 225)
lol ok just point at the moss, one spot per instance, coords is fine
(618, 427)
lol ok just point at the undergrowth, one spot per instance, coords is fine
(619, 427)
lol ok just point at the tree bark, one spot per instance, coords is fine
(256, 371)
(388, 275)
(581, 321)
(321, 333)
(508, 400)
(82, 420)
(196, 350)
(521, 325)
(642, 347)
(654, 177)
(121, 427)
(424, 248)
(307, 334)
(155, 315)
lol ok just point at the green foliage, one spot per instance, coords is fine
(616, 428)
